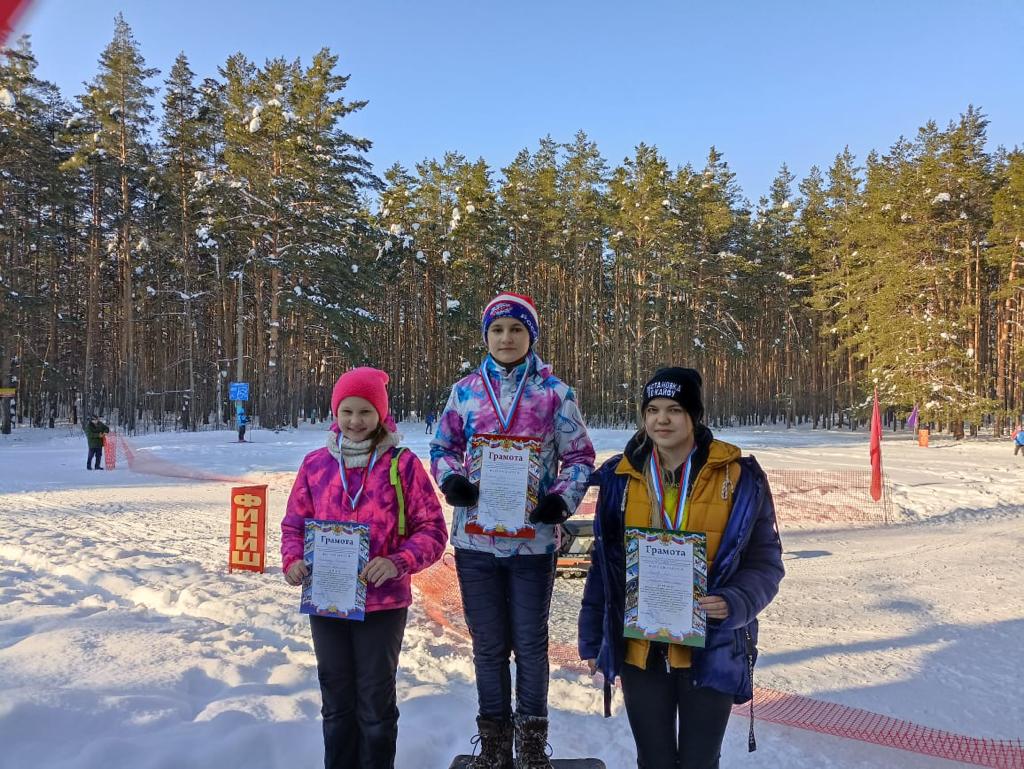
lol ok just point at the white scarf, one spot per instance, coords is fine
(357, 453)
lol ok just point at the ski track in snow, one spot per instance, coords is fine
(124, 642)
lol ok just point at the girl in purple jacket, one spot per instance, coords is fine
(350, 479)
(506, 581)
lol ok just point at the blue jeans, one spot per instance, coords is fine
(507, 602)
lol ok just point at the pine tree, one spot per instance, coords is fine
(249, 215)
(774, 273)
(582, 184)
(1005, 256)
(835, 261)
(31, 247)
(187, 153)
(296, 176)
(641, 241)
(811, 234)
(117, 105)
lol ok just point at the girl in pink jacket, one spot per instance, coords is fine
(350, 480)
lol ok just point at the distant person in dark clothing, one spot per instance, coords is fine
(94, 432)
(430, 421)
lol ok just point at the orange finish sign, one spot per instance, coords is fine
(248, 528)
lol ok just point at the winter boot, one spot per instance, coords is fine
(531, 742)
(495, 739)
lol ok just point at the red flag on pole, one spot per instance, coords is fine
(876, 451)
(10, 10)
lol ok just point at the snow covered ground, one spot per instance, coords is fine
(124, 642)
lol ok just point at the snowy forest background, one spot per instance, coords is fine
(134, 218)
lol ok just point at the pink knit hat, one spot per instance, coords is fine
(363, 382)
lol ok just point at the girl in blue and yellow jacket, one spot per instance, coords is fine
(678, 699)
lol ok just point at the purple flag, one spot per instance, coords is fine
(912, 419)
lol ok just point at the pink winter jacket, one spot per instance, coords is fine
(317, 493)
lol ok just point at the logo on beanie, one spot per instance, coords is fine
(663, 390)
(511, 306)
(514, 311)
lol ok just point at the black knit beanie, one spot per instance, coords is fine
(683, 385)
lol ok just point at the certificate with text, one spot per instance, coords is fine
(507, 469)
(666, 573)
(336, 553)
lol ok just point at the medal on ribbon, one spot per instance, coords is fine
(677, 520)
(503, 420)
(354, 500)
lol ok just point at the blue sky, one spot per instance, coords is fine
(766, 82)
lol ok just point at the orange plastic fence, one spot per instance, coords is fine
(829, 497)
(854, 723)
(439, 597)
(145, 462)
(820, 497)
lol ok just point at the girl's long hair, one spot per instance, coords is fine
(378, 436)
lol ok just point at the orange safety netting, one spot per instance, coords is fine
(440, 599)
(813, 497)
(854, 723)
(829, 496)
(116, 445)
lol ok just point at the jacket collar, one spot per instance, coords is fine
(335, 446)
(533, 364)
(709, 452)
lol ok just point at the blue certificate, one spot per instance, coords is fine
(336, 553)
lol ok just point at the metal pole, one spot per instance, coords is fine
(191, 367)
(239, 373)
(240, 343)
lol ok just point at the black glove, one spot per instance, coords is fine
(550, 509)
(459, 492)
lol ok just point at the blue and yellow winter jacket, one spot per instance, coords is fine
(746, 572)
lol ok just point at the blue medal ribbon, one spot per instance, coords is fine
(676, 522)
(506, 422)
(353, 501)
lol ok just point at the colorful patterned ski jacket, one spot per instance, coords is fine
(548, 410)
(746, 572)
(317, 493)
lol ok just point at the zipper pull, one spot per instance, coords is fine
(751, 742)
(726, 485)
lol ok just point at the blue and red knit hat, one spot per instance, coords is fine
(515, 306)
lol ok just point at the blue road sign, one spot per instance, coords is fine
(238, 391)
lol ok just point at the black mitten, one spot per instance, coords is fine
(550, 509)
(459, 492)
